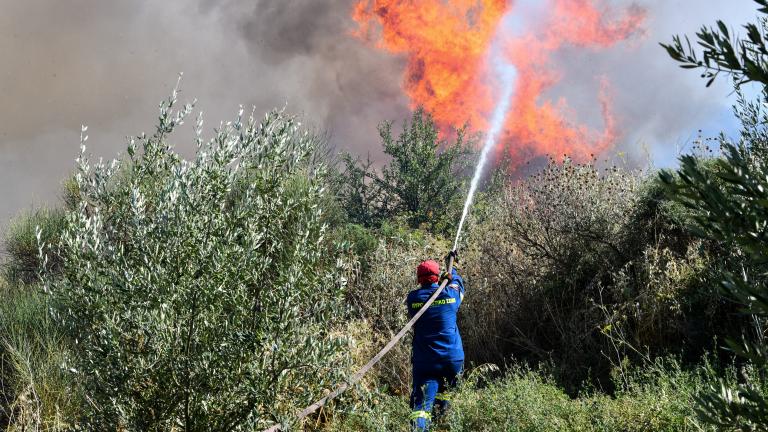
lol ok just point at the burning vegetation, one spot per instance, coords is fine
(227, 290)
(450, 48)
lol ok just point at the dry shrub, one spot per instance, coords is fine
(379, 296)
(663, 279)
(568, 257)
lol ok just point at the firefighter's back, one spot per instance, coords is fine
(436, 335)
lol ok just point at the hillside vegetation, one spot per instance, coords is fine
(229, 290)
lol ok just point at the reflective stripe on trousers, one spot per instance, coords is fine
(420, 414)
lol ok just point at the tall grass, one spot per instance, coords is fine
(36, 392)
(21, 243)
(658, 398)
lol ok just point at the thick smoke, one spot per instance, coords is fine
(108, 63)
(659, 107)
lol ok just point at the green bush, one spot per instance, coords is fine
(21, 244)
(200, 295)
(728, 198)
(383, 413)
(422, 184)
(730, 201)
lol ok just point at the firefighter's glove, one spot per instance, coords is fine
(447, 275)
(455, 256)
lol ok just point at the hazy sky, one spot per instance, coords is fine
(107, 64)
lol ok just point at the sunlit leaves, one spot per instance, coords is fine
(199, 292)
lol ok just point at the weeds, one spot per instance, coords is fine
(656, 398)
(21, 243)
(37, 393)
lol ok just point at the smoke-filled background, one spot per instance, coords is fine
(108, 64)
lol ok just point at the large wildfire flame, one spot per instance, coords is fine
(447, 45)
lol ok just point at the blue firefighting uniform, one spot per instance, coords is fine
(438, 355)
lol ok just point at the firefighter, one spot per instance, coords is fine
(438, 355)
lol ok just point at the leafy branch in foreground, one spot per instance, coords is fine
(199, 295)
(745, 59)
(729, 197)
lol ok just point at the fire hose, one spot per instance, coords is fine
(507, 74)
(392, 342)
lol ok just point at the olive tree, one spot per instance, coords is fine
(201, 294)
(746, 60)
(729, 200)
(729, 197)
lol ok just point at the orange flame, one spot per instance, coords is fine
(446, 44)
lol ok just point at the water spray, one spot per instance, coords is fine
(507, 76)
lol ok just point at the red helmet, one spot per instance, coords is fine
(428, 272)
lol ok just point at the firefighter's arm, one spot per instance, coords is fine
(458, 280)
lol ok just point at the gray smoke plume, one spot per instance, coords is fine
(107, 64)
(659, 107)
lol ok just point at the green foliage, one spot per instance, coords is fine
(384, 413)
(529, 401)
(658, 398)
(70, 194)
(35, 392)
(422, 183)
(730, 205)
(360, 194)
(201, 295)
(754, 127)
(728, 199)
(21, 243)
(745, 59)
